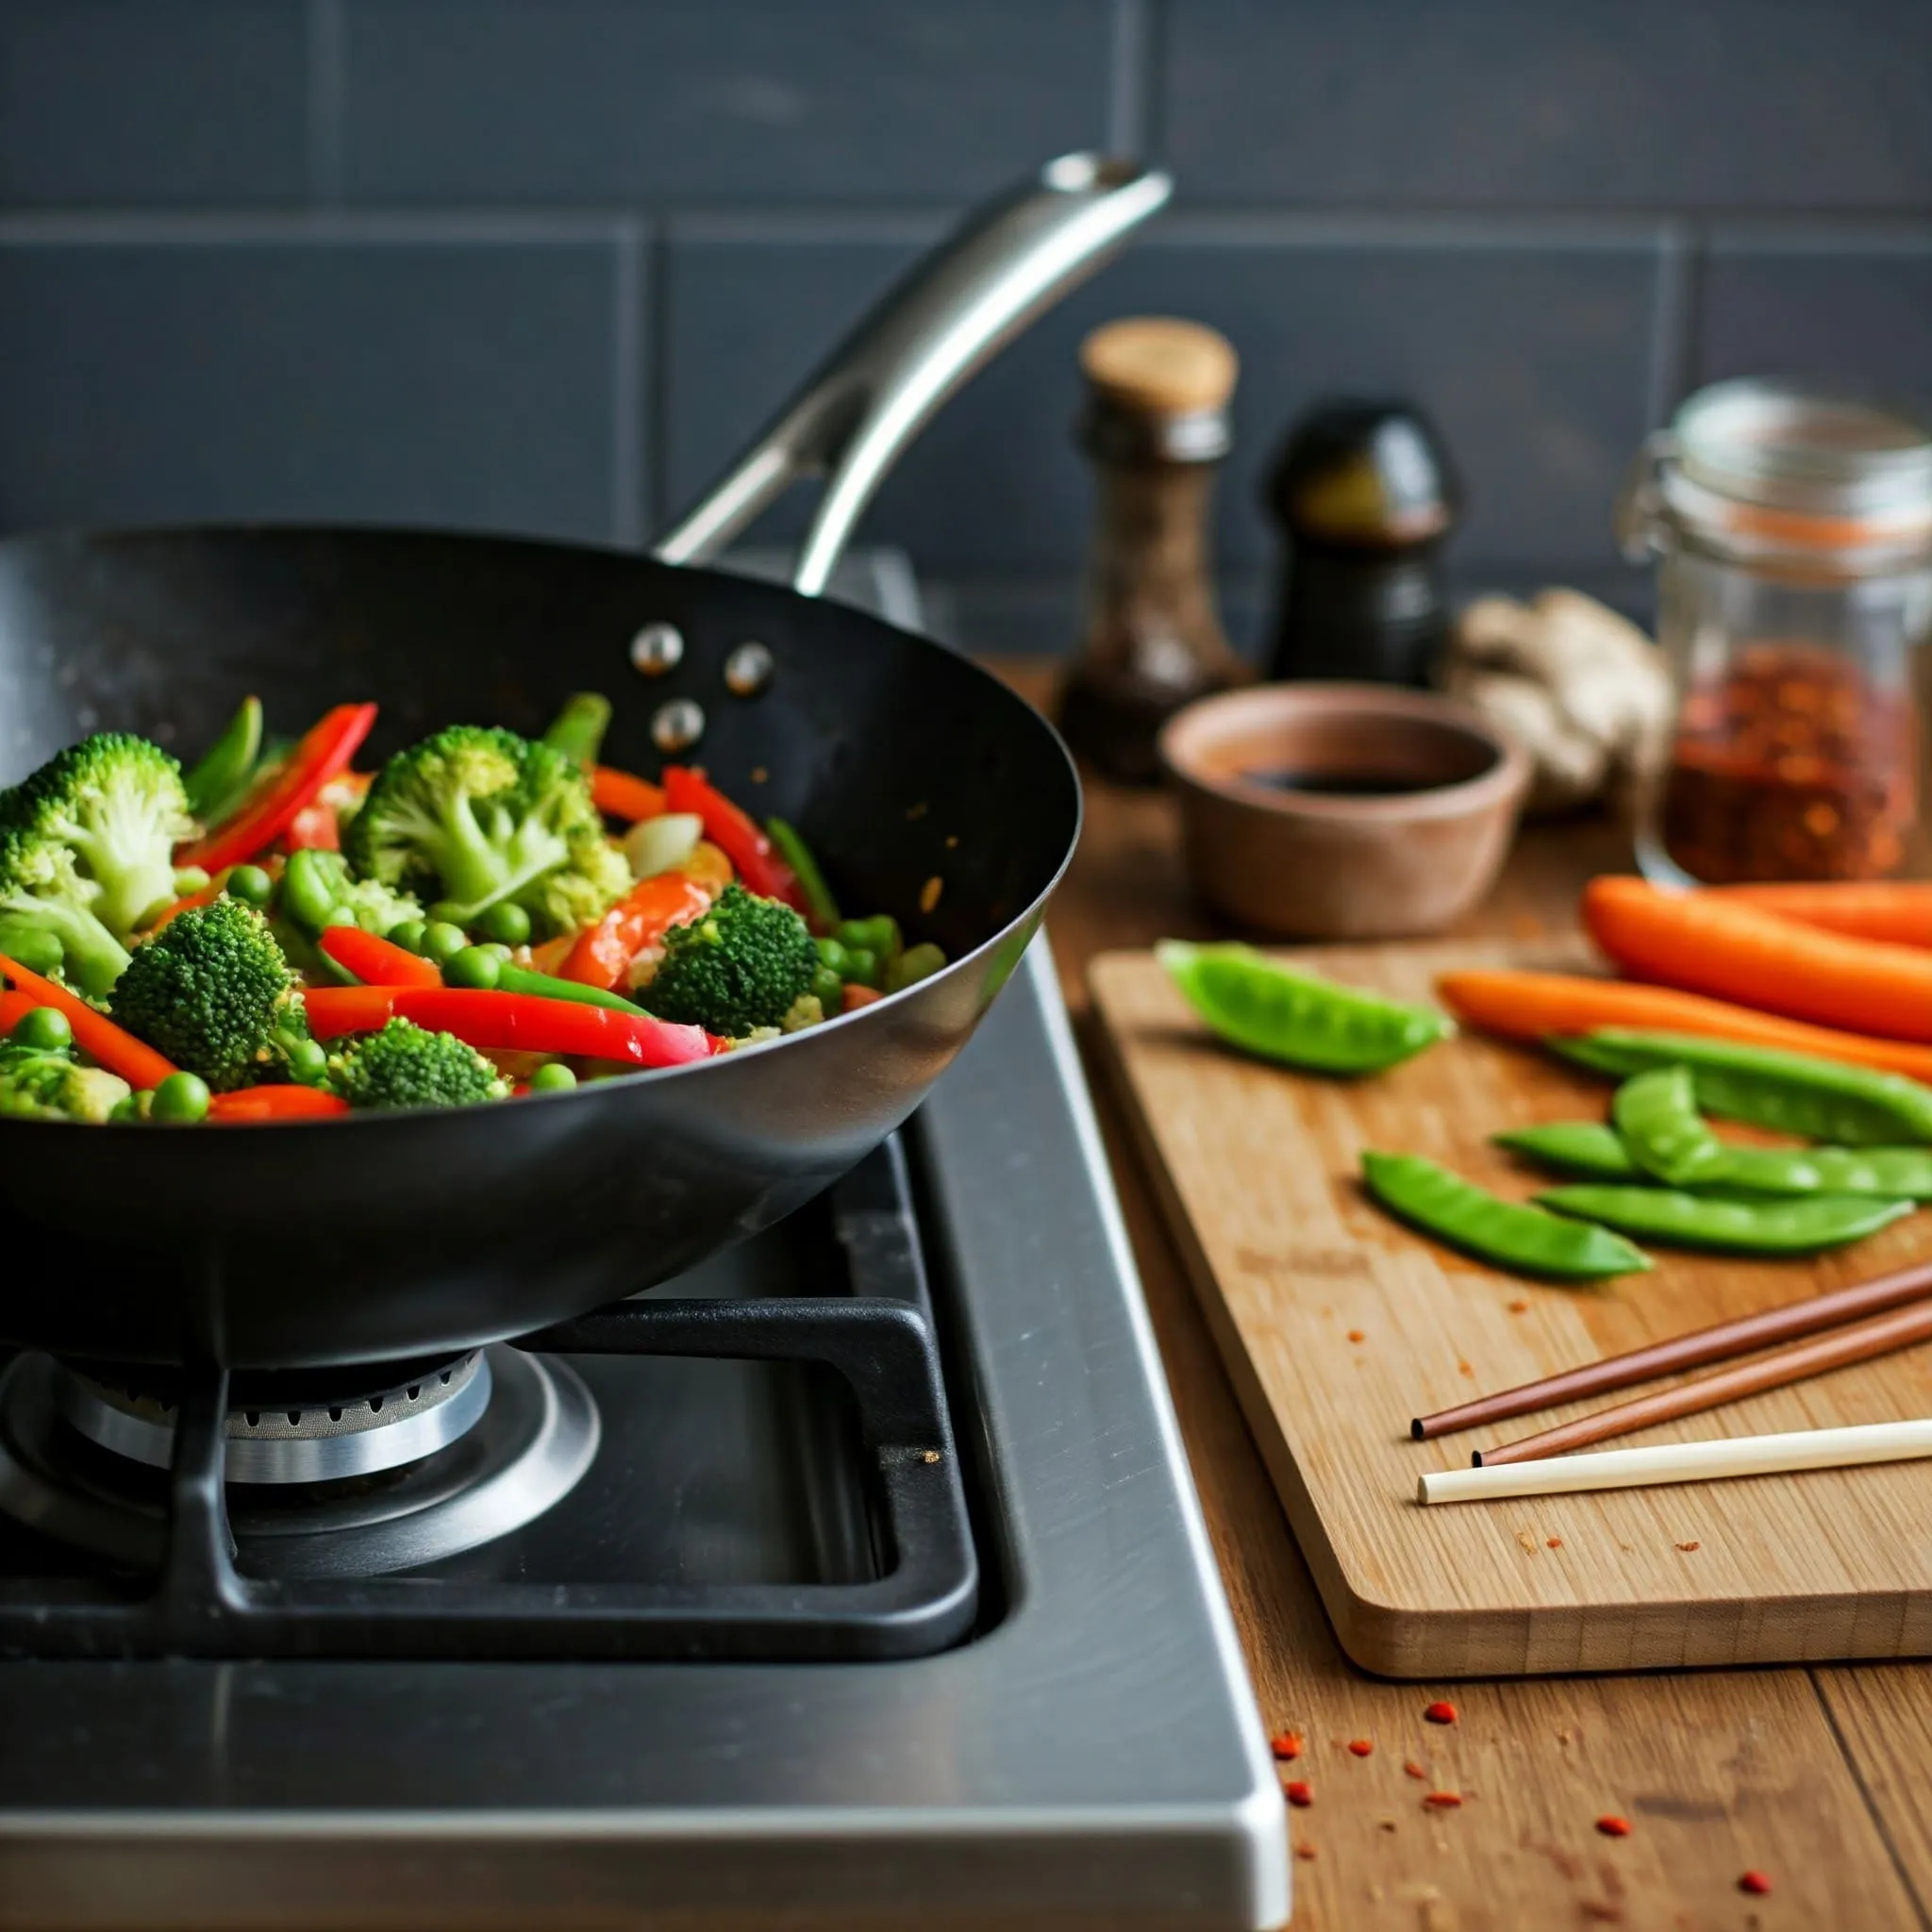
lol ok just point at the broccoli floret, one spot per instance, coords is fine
(405, 1065)
(116, 803)
(741, 965)
(213, 992)
(474, 815)
(50, 1083)
(45, 903)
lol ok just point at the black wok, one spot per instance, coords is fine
(376, 1238)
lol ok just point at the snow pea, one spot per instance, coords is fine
(1508, 1233)
(577, 730)
(821, 907)
(1574, 1147)
(1294, 1016)
(1656, 1116)
(1902, 1173)
(1794, 1092)
(1730, 1226)
(221, 773)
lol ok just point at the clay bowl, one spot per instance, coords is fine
(1409, 804)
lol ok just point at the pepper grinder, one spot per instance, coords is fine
(1155, 426)
(1366, 498)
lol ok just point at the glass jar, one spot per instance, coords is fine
(1794, 536)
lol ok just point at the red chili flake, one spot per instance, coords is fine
(1756, 1883)
(1361, 1746)
(1413, 1769)
(1299, 1793)
(1305, 1851)
(1464, 1369)
(1555, 1542)
(1692, 1544)
(1519, 1307)
(1286, 1744)
(1442, 1801)
(1613, 1826)
(1440, 1712)
(1356, 1335)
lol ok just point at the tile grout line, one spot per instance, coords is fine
(323, 102)
(1879, 1824)
(630, 389)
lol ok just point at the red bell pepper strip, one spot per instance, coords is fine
(136, 1061)
(735, 834)
(320, 757)
(603, 952)
(377, 961)
(315, 828)
(621, 795)
(275, 1104)
(14, 1008)
(522, 1022)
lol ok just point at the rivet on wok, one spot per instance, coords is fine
(747, 671)
(678, 726)
(656, 648)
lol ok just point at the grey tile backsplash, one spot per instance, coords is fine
(539, 264)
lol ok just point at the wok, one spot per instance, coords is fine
(378, 1237)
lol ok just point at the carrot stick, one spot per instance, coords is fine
(624, 796)
(207, 897)
(136, 1061)
(14, 1008)
(1898, 912)
(1703, 943)
(1533, 1005)
(275, 1104)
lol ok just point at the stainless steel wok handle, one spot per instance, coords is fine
(957, 306)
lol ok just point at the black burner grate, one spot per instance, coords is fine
(878, 1340)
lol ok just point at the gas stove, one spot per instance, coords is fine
(853, 1579)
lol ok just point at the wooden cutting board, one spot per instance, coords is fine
(1338, 1326)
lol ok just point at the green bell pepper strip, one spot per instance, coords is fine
(1586, 1147)
(821, 907)
(1792, 1093)
(577, 730)
(544, 986)
(221, 776)
(1733, 1226)
(1294, 1017)
(1656, 1117)
(1522, 1239)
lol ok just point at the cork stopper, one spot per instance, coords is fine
(1160, 365)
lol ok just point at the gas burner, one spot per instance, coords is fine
(355, 1486)
(274, 1436)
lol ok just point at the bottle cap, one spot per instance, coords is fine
(1372, 472)
(1161, 364)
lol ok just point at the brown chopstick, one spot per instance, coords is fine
(1716, 1343)
(1856, 1343)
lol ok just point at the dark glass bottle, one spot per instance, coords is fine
(1366, 498)
(1155, 426)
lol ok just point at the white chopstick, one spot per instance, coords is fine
(1682, 1462)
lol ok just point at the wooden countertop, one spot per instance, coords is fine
(1817, 1777)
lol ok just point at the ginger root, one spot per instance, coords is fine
(1582, 689)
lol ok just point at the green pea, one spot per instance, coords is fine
(1519, 1238)
(1656, 1115)
(1801, 1226)
(181, 1099)
(442, 941)
(506, 921)
(308, 1062)
(833, 955)
(553, 1076)
(1574, 1147)
(190, 878)
(497, 951)
(862, 967)
(447, 912)
(474, 969)
(408, 935)
(879, 934)
(1294, 1016)
(309, 894)
(827, 989)
(914, 964)
(250, 885)
(1791, 1093)
(341, 915)
(45, 1029)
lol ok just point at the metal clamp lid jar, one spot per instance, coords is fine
(1794, 534)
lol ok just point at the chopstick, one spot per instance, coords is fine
(1683, 1462)
(1716, 1343)
(1856, 1343)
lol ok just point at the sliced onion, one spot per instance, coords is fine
(663, 843)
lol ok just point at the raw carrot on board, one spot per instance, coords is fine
(1533, 1005)
(1705, 943)
(1896, 910)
